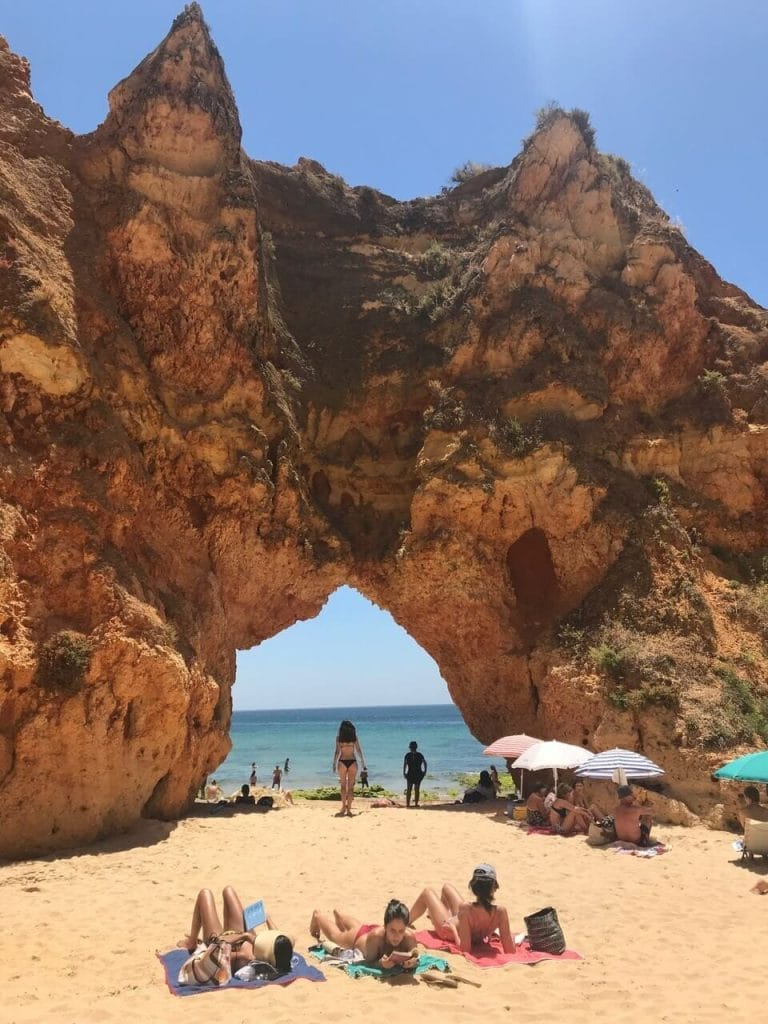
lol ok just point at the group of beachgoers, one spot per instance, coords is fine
(217, 950)
(568, 811)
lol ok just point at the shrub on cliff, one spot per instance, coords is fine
(436, 261)
(468, 170)
(63, 661)
(550, 112)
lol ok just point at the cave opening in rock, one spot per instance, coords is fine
(533, 580)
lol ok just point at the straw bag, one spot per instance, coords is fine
(544, 932)
(596, 836)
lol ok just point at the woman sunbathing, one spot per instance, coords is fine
(237, 945)
(564, 816)
(464, 923)
(388, 945)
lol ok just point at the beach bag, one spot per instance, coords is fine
(265, 801)
(597, 836)
(210, 967)
(544, 932)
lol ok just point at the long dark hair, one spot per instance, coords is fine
(347, 733)
(485, 778)
(396, 909)
(483, 890)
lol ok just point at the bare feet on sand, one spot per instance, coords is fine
(760, 889)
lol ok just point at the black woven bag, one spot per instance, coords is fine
(544, 932)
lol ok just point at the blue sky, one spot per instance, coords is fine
(396, 94)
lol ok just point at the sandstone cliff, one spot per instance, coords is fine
(523, 416)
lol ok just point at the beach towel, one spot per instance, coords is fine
(490, 954)
(173, 960)
(354, 966)
(641, 851)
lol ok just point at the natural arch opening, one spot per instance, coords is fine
(352, 660)
(352, 654)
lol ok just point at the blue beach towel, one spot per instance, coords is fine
(173, 960)
(358, 970)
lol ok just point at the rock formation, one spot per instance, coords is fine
(524, 416)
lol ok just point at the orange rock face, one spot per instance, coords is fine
(524, 416)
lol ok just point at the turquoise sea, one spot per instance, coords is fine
(308, 738)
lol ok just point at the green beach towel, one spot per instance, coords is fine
(427, 962)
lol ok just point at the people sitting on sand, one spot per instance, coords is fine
(750, 806)
(467, 923)
(632, 821)
(236, 945)
(213, 792)
(482, 790)
(579, 799)
(536, 813)
(383, 945)
(564, 816)
(245, 796)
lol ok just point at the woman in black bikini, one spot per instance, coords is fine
(564, 816)
(345, 759)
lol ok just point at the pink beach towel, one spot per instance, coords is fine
(490, 954)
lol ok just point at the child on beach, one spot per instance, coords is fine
(461, 922)
(388, 945)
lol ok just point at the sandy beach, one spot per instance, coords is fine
(678, 938)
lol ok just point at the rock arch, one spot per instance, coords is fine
(201, 355)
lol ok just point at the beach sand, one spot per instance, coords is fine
(678, 938)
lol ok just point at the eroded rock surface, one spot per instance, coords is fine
(523, 416)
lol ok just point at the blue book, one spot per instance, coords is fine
(255, 915)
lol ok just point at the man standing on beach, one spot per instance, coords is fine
(414, 770)
(277, 777)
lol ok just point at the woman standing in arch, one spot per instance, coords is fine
(345, 760)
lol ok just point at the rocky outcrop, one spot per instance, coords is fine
(524, 416)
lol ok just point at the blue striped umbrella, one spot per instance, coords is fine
(618, 764)
(750, 768)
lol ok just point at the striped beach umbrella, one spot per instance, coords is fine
(749, 768)
(619, 765)
(510, 746)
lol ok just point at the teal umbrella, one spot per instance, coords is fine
(750, 768)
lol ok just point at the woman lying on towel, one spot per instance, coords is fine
(230, 947)
(389, 945)
(463, 923)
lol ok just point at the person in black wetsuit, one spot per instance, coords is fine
(414, 770)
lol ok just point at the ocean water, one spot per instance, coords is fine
(308, 738)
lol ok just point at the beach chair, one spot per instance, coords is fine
(755, 838)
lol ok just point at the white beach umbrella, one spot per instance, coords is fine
(619, 765)
(552, 754)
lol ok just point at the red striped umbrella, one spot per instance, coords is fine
(510, 746)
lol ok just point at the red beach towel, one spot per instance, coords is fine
(490, 954)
